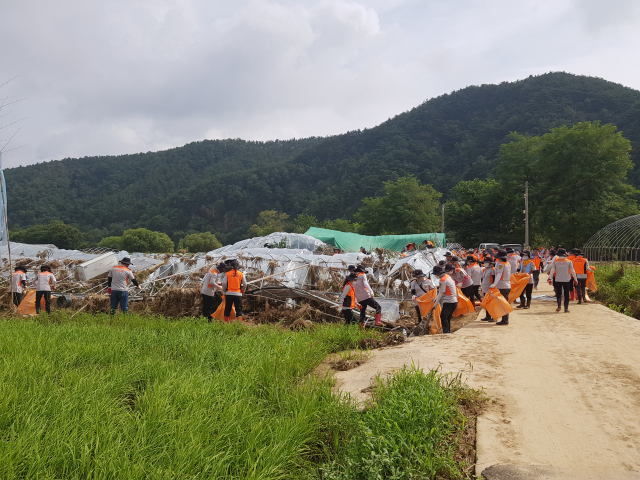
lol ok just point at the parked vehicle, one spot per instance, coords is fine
(516, 246)
(488, 246)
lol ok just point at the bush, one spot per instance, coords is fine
(199, 242)
(147, 241)
(114, 243)
(56, 233)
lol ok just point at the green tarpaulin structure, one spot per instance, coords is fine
(351, 242)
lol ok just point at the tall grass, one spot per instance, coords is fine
(136, 397)
(133, 397)
(411, 431)
(619, 288)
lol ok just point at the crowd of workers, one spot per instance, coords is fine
(474, 272)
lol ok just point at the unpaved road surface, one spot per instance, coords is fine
(565, 389)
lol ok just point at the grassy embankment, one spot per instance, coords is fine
(619, 288)
(139, 397)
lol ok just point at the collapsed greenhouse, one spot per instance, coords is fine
(285, 271)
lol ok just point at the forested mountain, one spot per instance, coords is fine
(221, 186)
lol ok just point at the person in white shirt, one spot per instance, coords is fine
(447, 295)
(419, 286)
(211, 296)
(562, 272)
(364, 296)
(45, 282)
(118, 285)
(475, 272)
(488, 273)
(502, 280)
(19, 279)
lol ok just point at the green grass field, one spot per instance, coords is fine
(136, 397)
(619, 288)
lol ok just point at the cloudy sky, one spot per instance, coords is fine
(125, 76)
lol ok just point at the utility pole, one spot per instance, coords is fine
(442, 224)
(526, 214)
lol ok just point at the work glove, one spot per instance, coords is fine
(494, 285)
(109, 290)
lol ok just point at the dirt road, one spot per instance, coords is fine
(566, 389)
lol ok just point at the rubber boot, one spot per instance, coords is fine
(378, 318)
(239, 319)
(227, 319)
(522, 304)
(528, 303)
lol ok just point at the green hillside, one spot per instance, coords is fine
(221, 186)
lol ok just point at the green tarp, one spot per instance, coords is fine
(351, 242)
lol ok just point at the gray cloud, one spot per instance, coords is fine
(130, 75)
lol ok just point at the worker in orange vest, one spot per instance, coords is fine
(536, 258)
(45, 282)
(19, 279)
(419, 286)
(502, 280)
(581, 266)
(488, 274)
(562, 272)
(234, 284)
(118, 285)
(347, 301)
(475, 272)
(211, 296)
(447, 296)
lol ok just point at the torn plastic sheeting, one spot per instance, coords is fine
(421, 260)
(293, 241)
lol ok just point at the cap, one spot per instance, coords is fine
(437, 270)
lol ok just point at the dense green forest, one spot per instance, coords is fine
(222, 186)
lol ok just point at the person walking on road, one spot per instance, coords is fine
(488, 274)
(19, 279)
(514, 259)
(211, 296)
(475, 273)
(347, 301)
(581, 266)
(419, 286)
(502, 280)
(45, 282)
(447, 296)
(536, 258)
(526, 266)
(234, 284)
(118, 285)
(562, 272)
(364, 296)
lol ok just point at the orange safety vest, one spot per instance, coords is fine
(410, 246)
(351, 295)
(579, 265)
(234, 280)
(536, 262)
(448, 290)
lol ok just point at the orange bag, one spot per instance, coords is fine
(436, 324)
(426, 302)
(28, 304)
(219, 313)
(464, 304)
(495, 304)
(591, 281)
(518, 284)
